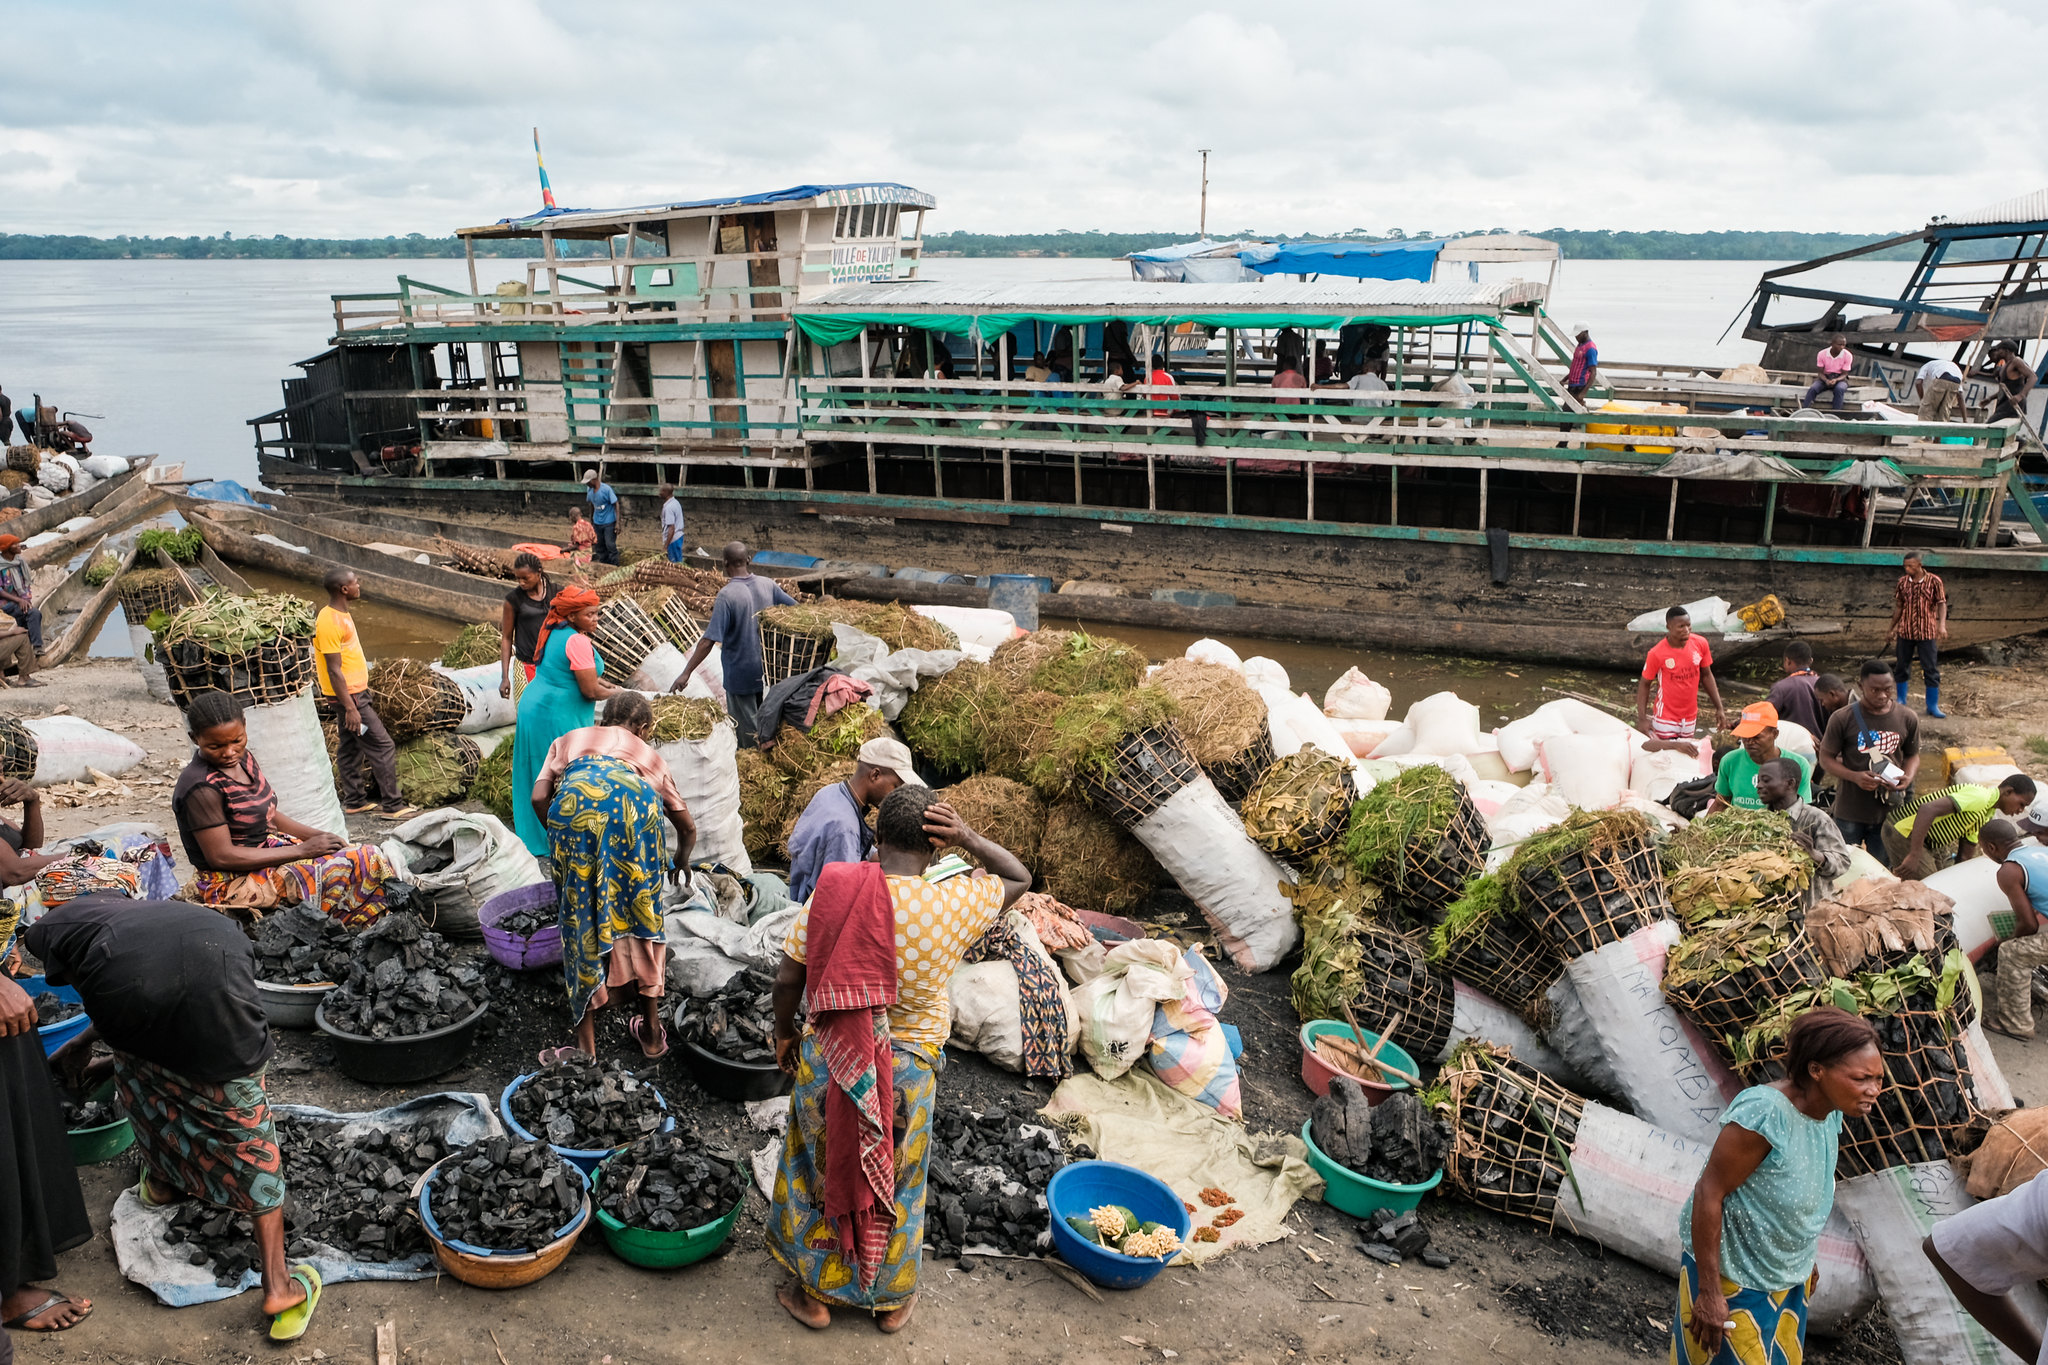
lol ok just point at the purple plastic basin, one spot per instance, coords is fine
(521, 953)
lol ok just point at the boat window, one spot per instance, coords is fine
(867, 220)
(889, 215)
(839, 222)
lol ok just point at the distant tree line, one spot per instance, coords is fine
(22, 246)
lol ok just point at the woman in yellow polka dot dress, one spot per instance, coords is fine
(935, 924)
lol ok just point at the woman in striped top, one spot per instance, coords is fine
(251, 856)
(1942, 827)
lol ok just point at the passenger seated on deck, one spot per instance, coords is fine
(250, 855)
(1831, 368)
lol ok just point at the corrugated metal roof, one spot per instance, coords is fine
(1145, 296)
(566, 221)
(2027, 208)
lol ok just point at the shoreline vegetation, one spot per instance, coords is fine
(1578, 245)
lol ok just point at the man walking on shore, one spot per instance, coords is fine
(604, 516)
(344, 675)
(1919, 625)
(671, 525)
(1678, 664)
(737, 634)
(1872, 747)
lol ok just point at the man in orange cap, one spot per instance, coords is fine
(15, 591)
(1735, 779)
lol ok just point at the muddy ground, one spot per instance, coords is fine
(1514, 1292)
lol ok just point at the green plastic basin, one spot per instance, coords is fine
(1349, 1192)
(90, 1146)
(663, 1250)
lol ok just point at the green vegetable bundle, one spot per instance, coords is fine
(182, 546)
(229, 624)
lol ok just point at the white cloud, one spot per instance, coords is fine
(373, 116)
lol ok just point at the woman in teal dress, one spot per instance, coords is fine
(568, 682)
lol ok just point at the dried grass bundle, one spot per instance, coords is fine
(473, 646)
(412, 698)
(678, 718)
(1008, 812)
(1086, 861)
(764, 803)
(1219, 713)
(492, 785)
(800, 753)
(1071, 663)
(947, 720)
(436, 769)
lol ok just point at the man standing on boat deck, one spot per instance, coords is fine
(1678, 664)
(344, 675)
(738, 637)
(671, 525)
(2016, 380)
(1585, 370)
(604, 515)
(1939, 386)
(1832, 368)
(1919, 625)
(15, 590)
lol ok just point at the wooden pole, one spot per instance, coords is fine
(1770, 510)
(1671, 519)
(1482, 497)
(1394, 492)
(1578, 491)
(1869, 514)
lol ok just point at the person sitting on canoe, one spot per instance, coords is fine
(16, 593)
(251, 856)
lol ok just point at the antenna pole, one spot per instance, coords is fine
(1204, 230)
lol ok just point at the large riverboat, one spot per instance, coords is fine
(778, 359)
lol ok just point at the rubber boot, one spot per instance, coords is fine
(1905, 689)
(1934, 703)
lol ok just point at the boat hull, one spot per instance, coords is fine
(1536, 597)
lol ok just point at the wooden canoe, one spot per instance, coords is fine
(37, 520)
(85, 606)
(341, 518)
(231, 531)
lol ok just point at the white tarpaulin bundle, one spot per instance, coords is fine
(1202, 845)
(66, 746)
(892, 676)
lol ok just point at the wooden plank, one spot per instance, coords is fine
(138, 502)
(956, 514)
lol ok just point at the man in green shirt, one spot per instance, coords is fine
(1735, 779)
(1942, 827)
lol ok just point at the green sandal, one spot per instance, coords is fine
(291, 1324)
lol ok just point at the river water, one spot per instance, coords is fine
(174, 358)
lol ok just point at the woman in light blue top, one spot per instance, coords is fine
(1751, 1229)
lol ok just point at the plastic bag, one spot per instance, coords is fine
(1356, 697)
(486, 709)
(1116, 1008)
(1444, 723)
(485, 859)
(987, 1015)
(287, 741)
(891, 676)
(707, 775)
(1189, 1049)
(68, 745)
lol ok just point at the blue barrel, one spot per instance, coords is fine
(1017, 594)
(782, 559)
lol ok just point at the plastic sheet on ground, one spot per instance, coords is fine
(165, 1270)
(1140, 1121)
(893, 676)
(706, 950)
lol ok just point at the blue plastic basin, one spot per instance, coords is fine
(1084, 1185)
(583, 1160)
(55, 1035)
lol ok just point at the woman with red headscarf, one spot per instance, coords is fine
(568, 682)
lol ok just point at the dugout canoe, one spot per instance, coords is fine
(74, 610)
(232, 531)
(104, 498)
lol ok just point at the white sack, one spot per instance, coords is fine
(67, 745)
(980, 629)
(1207, 651)
(292, 749)
(1357, 697)
(1202, 845)
(1315, 730)
(484, 708)
(1490, 796)
(988, 1017)
(1862, 863)
(707, 775)
(1444, 723)
(1664, 1068)
(1520, 740)
(1709, 613)
(1279, 723)
(1401, 741)
(1476, 1014)
(1987, 1079)
(659, 670)
(1260, 669)
(146, 662)
(1115, 1008)
(1588, 771)
(1973, 886)
(103, 466)
(488, 740)
(706, 950)
(1654, 774)
(708, 682)
(55, 472)
(1583, 718)
(1571, 1036)
(1363, 736)
(1892, 1212)
(891, 676)
(486, 859)
(1794, 738)
(1984, 774)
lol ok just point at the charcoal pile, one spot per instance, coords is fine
(670, 1182)
(1513, 1132)
(87, 1113)
(1588, 881)
(1398, 1141)
(738, 1023)
(55, 1009)
(988, 1176)
(403, 981)
(586, 1105)
(302, 947)
(1390, 1238)
(349, 1194)
(527, 923)
(505, 1195)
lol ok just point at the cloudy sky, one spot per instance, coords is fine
(362, 117)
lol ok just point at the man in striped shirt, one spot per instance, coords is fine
(1919, 625)
(1942, 827)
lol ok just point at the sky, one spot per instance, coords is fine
(354, 118)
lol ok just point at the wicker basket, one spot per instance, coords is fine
(1512, 1134)
(275, 671)
(664, 606)
(1235, 776)
(1434, 872)
(784, 655)
(1594, 896)
(624, 636)
(1147, 768)
(18, 750)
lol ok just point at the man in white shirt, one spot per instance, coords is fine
(1939, 387)
(671, 525)
(1990, 1249)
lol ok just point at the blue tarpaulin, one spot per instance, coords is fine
(1357, 260)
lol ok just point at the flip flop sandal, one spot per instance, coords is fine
(550, 1055)
(292, 1323)
(633, 1026)
(19, 1322)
